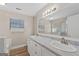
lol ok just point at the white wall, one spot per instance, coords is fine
(17, 38)
(73, 26)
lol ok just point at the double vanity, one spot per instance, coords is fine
(46, 46)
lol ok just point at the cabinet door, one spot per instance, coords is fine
(37, 49)
(46, 52)
(34, 49)
(30, 47)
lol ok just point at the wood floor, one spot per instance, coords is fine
(19, 52)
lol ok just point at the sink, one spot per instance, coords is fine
(63, 47)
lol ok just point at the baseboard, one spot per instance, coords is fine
(18, 46)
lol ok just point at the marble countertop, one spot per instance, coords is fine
(44, 41)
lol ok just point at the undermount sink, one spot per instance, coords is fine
(63, 47)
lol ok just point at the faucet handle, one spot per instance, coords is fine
(64, 41)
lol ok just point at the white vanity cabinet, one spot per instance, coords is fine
(30, 47)
(36, 49)
(46, 52)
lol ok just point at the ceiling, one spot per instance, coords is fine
(64, 10)
(29, 9)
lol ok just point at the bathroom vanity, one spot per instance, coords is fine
(38, 48)
(41, 46)
(47, 40)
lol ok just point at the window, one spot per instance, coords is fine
(16, 24)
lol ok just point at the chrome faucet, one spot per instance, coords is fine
(64, 41)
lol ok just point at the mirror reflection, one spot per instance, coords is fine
(57, 26)
(65, 26)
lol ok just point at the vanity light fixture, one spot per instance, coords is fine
(53, 9)
(48, 11)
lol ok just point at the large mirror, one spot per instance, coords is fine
(61, 22)
(65, 26)
(57, 26)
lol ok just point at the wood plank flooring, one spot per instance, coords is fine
(19, 52)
